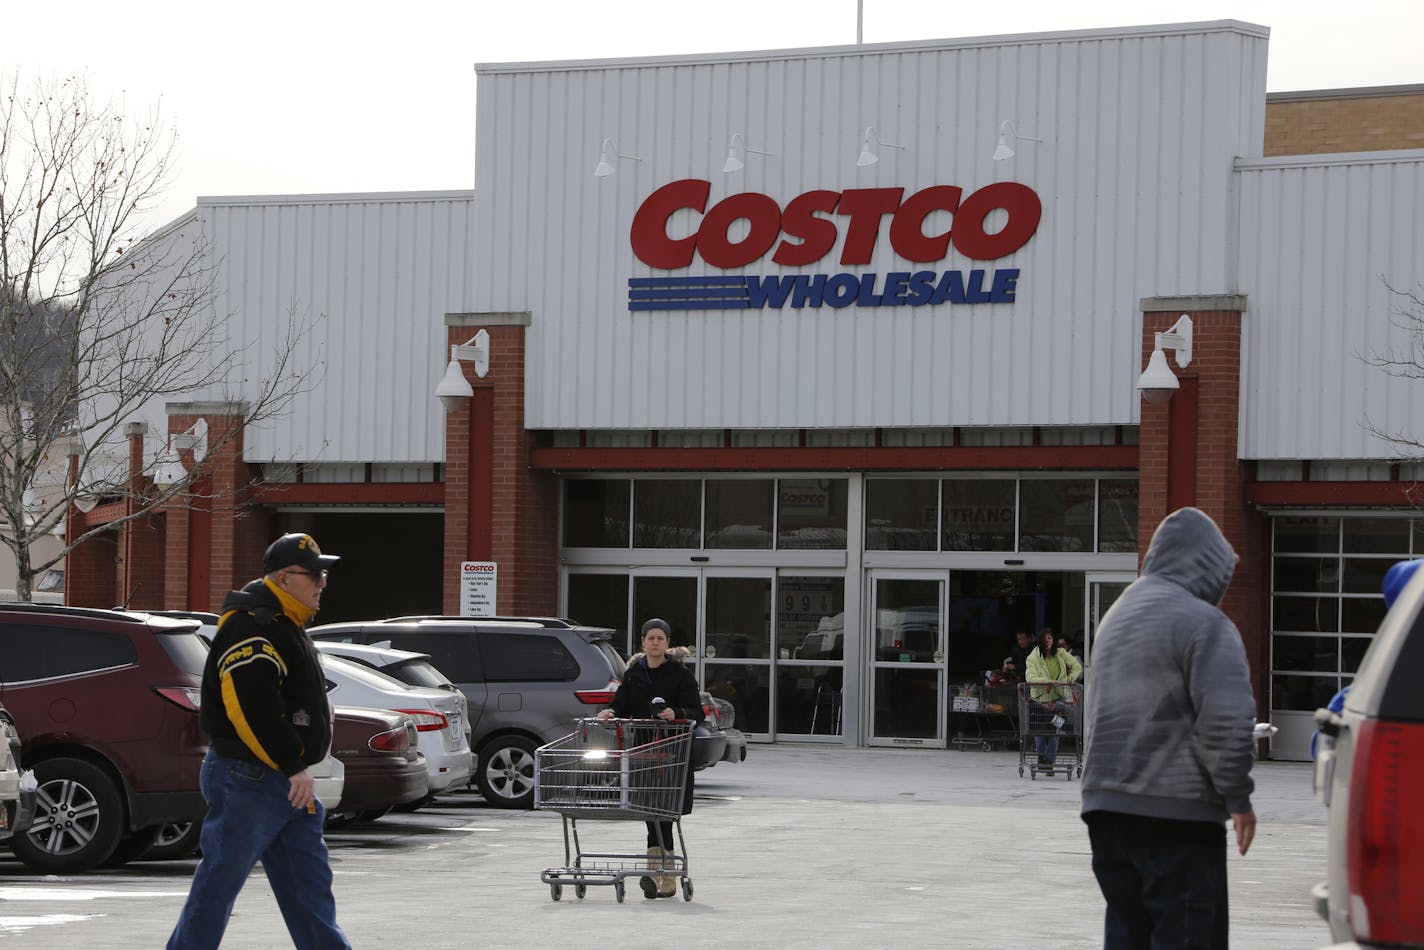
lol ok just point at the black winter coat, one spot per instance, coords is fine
(677, 687)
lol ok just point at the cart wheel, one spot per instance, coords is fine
(556, 891)
(618, 890)
(987, 746)
(1033, 773)
(687, 888)
(580, 890)
(1020, 771)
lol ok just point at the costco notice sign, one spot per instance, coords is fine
(477, 588)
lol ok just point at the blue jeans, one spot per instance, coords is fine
(1160, 896)
(249, 819)
(1047, 749)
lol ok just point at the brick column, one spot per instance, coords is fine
(1206, 427)
(495, 507)
(141, 539)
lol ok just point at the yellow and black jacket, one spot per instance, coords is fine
(264, 696)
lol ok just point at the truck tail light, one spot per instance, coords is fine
(426, 720)
(1384, 858)
(597, 697)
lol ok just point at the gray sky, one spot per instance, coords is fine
(305, 96)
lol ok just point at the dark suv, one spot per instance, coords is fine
(1369, 771)
(106, 705)
(526, 679)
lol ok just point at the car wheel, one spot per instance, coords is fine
(78, 818)
(506, 772)
(133, 847)
(176, 841)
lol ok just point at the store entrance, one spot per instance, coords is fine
(938, 634)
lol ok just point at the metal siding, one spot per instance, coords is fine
(368, 281)
(1320, 238)
(1135, 179)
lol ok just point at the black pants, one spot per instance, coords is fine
(665, 829)
(1164, 882)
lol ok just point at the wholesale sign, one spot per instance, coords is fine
(805, 231)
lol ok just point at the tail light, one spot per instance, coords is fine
(597, 697)
(184, 697)
(1384, 857)
(426, 720)
(709, 714)
(392, 740)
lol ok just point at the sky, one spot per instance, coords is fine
(310, 96)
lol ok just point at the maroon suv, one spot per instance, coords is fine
(107, 708)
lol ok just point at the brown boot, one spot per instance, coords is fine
(650, 883)
(667, 883)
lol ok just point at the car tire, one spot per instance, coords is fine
(133, 847)
(176, 841)
(505, 773)
(74, 796)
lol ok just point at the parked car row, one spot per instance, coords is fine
(421, 705)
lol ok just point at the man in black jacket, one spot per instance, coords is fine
(264, 705)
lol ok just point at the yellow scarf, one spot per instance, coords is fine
(300, 613)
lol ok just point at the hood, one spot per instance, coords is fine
(1189, 550)
(251, 598)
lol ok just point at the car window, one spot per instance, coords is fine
(187, 650)
(418, 673)
(616, 663)
(41, 651)
(454, 654)
(522, 657)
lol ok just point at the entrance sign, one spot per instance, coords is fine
(478, 580)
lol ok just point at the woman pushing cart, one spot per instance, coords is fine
(646, 758)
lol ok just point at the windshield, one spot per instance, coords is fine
(186, 649)
(419, 673)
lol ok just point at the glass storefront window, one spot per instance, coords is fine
(978, 514)
(674, 599)
(811, 514)
(808, 700)
(600, 600)
(1117, 515)
(1301, 693)
(810, 618)
(1361, 614)
(739, 513)
(747, 688)
(907, 627)
(1056, 515)
(738, 617)
(1376, 536)
(1306, 654)
(1352, 651)
(1307, 575)
(901, 514)
(1306, 614)
(1307, 535)
(596, 513)
(906, 703)
(667, 513)
(1365, 575)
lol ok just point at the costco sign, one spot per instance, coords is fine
(809, 227)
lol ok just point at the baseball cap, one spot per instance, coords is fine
(296, 550)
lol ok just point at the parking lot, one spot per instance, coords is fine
(800, 846)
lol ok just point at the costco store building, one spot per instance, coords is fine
(831, 358)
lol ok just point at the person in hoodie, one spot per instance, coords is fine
(264, 704)
(657, 685)
(1169, 746)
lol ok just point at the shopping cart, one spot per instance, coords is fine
(984, 715)
(1051, 711)
(614, 770)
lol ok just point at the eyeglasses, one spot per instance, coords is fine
(316, 576)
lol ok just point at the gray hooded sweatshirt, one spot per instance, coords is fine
(1169, 706)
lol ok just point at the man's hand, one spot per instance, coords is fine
(1245, 824)
(668, 714)
(604, 714)
(303, 791)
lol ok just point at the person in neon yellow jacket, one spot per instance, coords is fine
(1054, 667)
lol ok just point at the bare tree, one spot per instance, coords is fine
(1403, 362)
(98, 329)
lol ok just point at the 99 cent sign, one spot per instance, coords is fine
(478, 580)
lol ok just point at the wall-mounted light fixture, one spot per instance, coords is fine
(454, 390)
(1157, 382)
(167, 467)
(608, 154)
(1006, 132)
(733, 163)
(870, 145)
(194, 439)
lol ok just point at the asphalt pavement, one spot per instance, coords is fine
(799, 846)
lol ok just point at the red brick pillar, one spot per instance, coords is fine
(496, 508)
(1204, 429)
(141, 538)
(89, 569)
